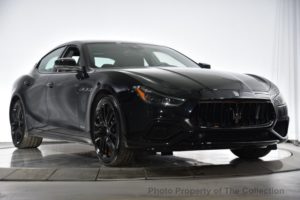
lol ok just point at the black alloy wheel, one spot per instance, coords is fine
(18, 128)
(107, 133)
(17, 122)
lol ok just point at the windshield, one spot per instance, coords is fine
(106, 55)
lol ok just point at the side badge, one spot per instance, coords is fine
(83, 89)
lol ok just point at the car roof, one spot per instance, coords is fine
(82, 42)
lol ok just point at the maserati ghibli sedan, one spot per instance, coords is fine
(125, 98)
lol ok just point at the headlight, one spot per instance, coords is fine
(278, 100)
(152, 97)
(276, 96)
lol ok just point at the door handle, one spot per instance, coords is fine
(50, 85)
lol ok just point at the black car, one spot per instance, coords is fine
(127, 97)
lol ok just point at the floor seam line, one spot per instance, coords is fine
(9, 174)
(55, 170)
(96, 179)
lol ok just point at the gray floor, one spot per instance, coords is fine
(216, 174)
(276, 186)
(74, 155)
(77, 162)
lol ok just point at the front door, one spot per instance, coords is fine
(62, 98)
(36, 95)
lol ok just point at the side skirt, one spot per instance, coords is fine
(61, 136)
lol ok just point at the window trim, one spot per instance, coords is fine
(38, 64)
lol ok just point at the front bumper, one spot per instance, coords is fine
(157, 128)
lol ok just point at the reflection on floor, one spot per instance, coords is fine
(69, 155)
(78, 162)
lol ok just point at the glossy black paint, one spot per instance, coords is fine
(58, 104)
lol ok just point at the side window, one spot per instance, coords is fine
(167, 60)
(146, 63)
(73, 52)
(47, 63)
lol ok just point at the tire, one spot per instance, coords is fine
(19, 134)
(108, 132)
(251, 153)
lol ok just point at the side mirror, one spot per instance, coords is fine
(65, 62)
(204, 66)
(70, 65)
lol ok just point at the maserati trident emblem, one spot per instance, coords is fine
(236, 115)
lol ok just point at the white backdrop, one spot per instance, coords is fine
(286, 59)
(233, 35)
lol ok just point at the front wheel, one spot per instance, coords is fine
(108, 132)
(251, 153)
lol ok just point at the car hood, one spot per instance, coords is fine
(200, 83)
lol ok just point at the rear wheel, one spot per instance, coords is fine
(251, 153)
(18, 128)
(108, 132)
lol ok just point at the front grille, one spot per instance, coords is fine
(233, 114)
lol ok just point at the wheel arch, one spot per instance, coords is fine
(14, 98)
(114, 83)
(100, 93)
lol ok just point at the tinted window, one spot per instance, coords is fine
(108, 62)
(102, 61)
(47, 63)
(166, 59)
(107, 55)
(73, 52)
